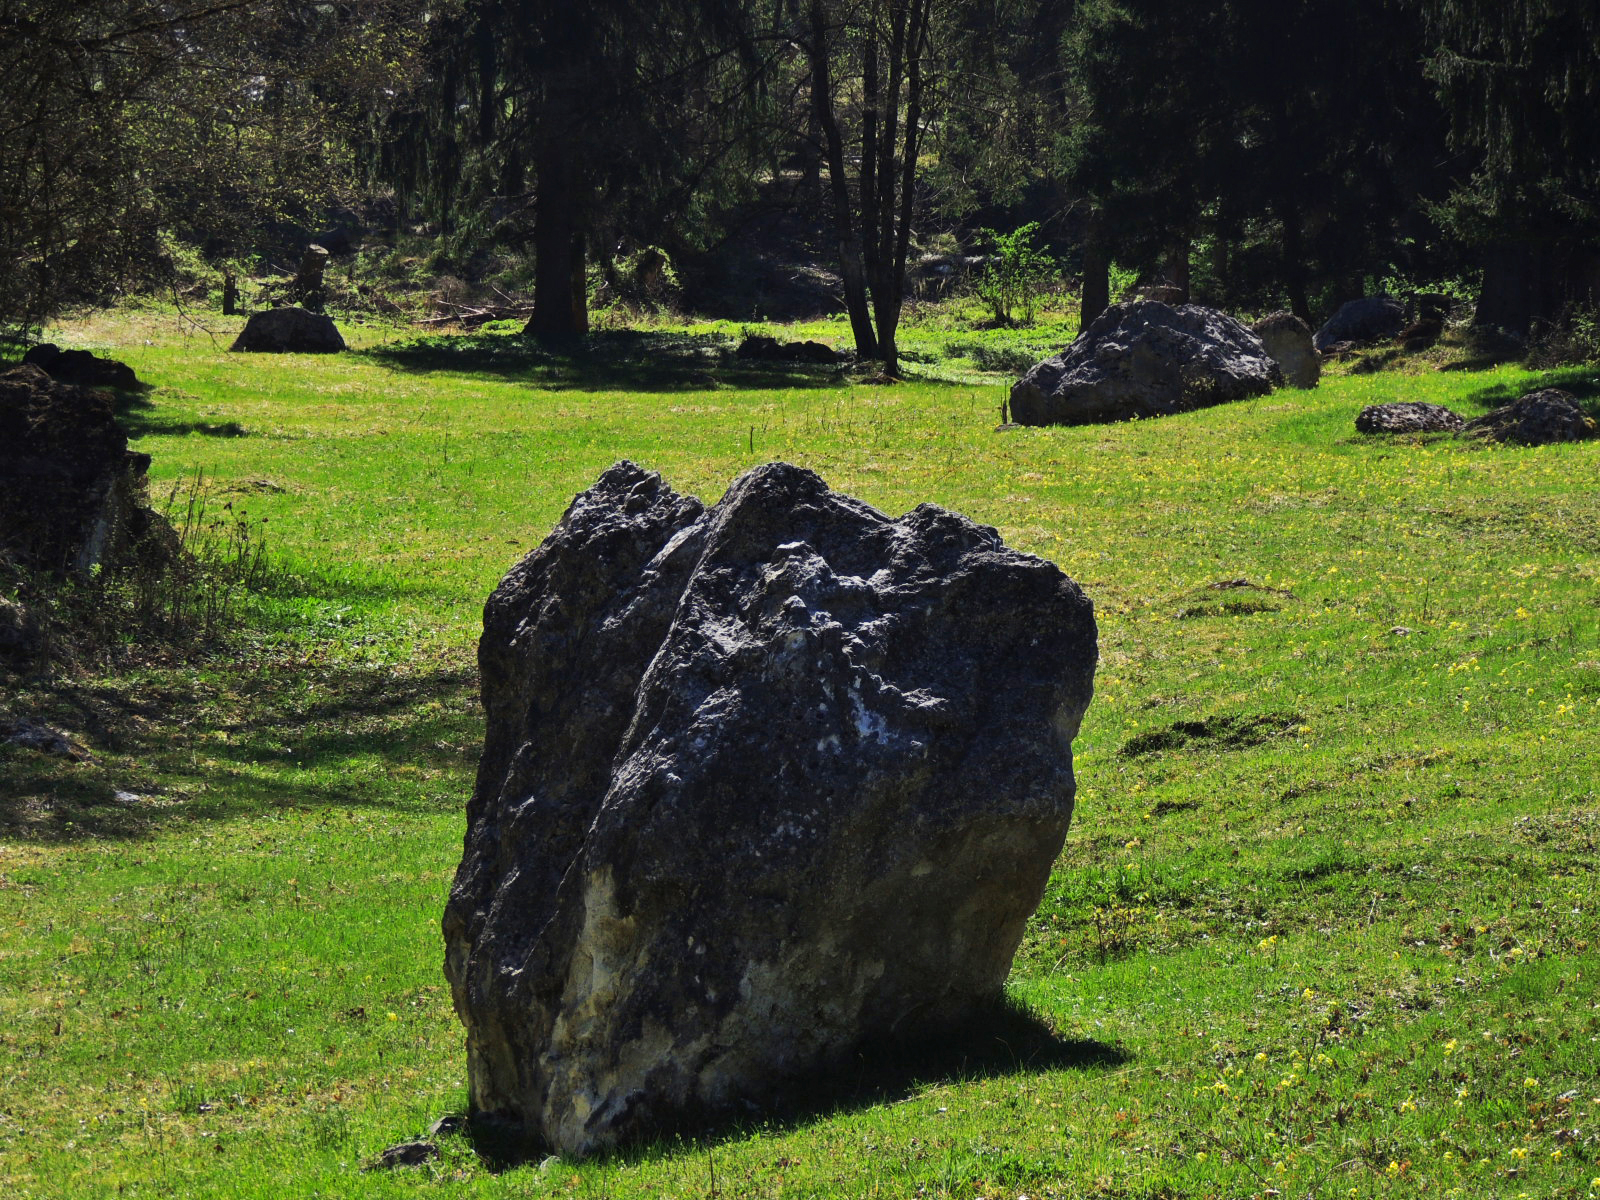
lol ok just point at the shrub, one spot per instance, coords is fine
(1016, 274)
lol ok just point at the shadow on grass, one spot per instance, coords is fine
(633, 360)
(1582, 382)
(1001, 1039)
(140, 417)
(220, 741)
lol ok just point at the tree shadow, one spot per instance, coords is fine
(635, 360)
(1002, 1038)
(1583, 382)
(188, 746)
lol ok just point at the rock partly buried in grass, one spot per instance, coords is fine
(760, 783)
(1407, 416)
(1144, 359)
(1288, 340)
(769, 349)
(1536, 419)
(289, 331)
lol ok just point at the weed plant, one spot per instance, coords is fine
(1325, 925)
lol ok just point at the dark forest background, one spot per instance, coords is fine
(1251, 154)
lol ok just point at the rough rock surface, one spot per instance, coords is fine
(1407, 416)
(1145, 359)
(759, 783)
(1550, 415)
(1370, 319)
(289, 330)
(1288, 340)
(70, 490)
(81, 367)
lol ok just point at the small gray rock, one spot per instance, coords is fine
(1407, 416)
(46, 739)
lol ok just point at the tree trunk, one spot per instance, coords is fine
(1294, 266)
(1221, 267)
(909, 46)
(1510, 284)
(1178, 267)
(1096, 296)
(560, 302)
(851, 269)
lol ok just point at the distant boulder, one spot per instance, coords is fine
(1370, 319)
(1146, 359)
(768, 349)
(1408, 416)
(289, 331)
(1288, 340)
(82, 367)
(1536, 419)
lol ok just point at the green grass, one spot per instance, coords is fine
(1326, 923)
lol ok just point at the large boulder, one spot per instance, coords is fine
(1288, 341)
(1369, 319)
(71, 492)
(289, 330)
(82, 367)
(1538, 418)
(1145, 359)
(1407, 416)
(759, 783)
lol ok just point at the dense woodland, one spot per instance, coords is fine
(1251, 154)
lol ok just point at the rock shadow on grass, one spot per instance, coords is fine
(1005, 1038)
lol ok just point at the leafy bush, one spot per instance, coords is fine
(1016, 274)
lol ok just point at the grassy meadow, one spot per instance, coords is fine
(1327, 923)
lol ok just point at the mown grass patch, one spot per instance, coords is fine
(1358, 952)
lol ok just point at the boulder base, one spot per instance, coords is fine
(760, 782)
(289, 331)
(1288, 341)
(1407, 416)
(1536, 419)
(1145, 359)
